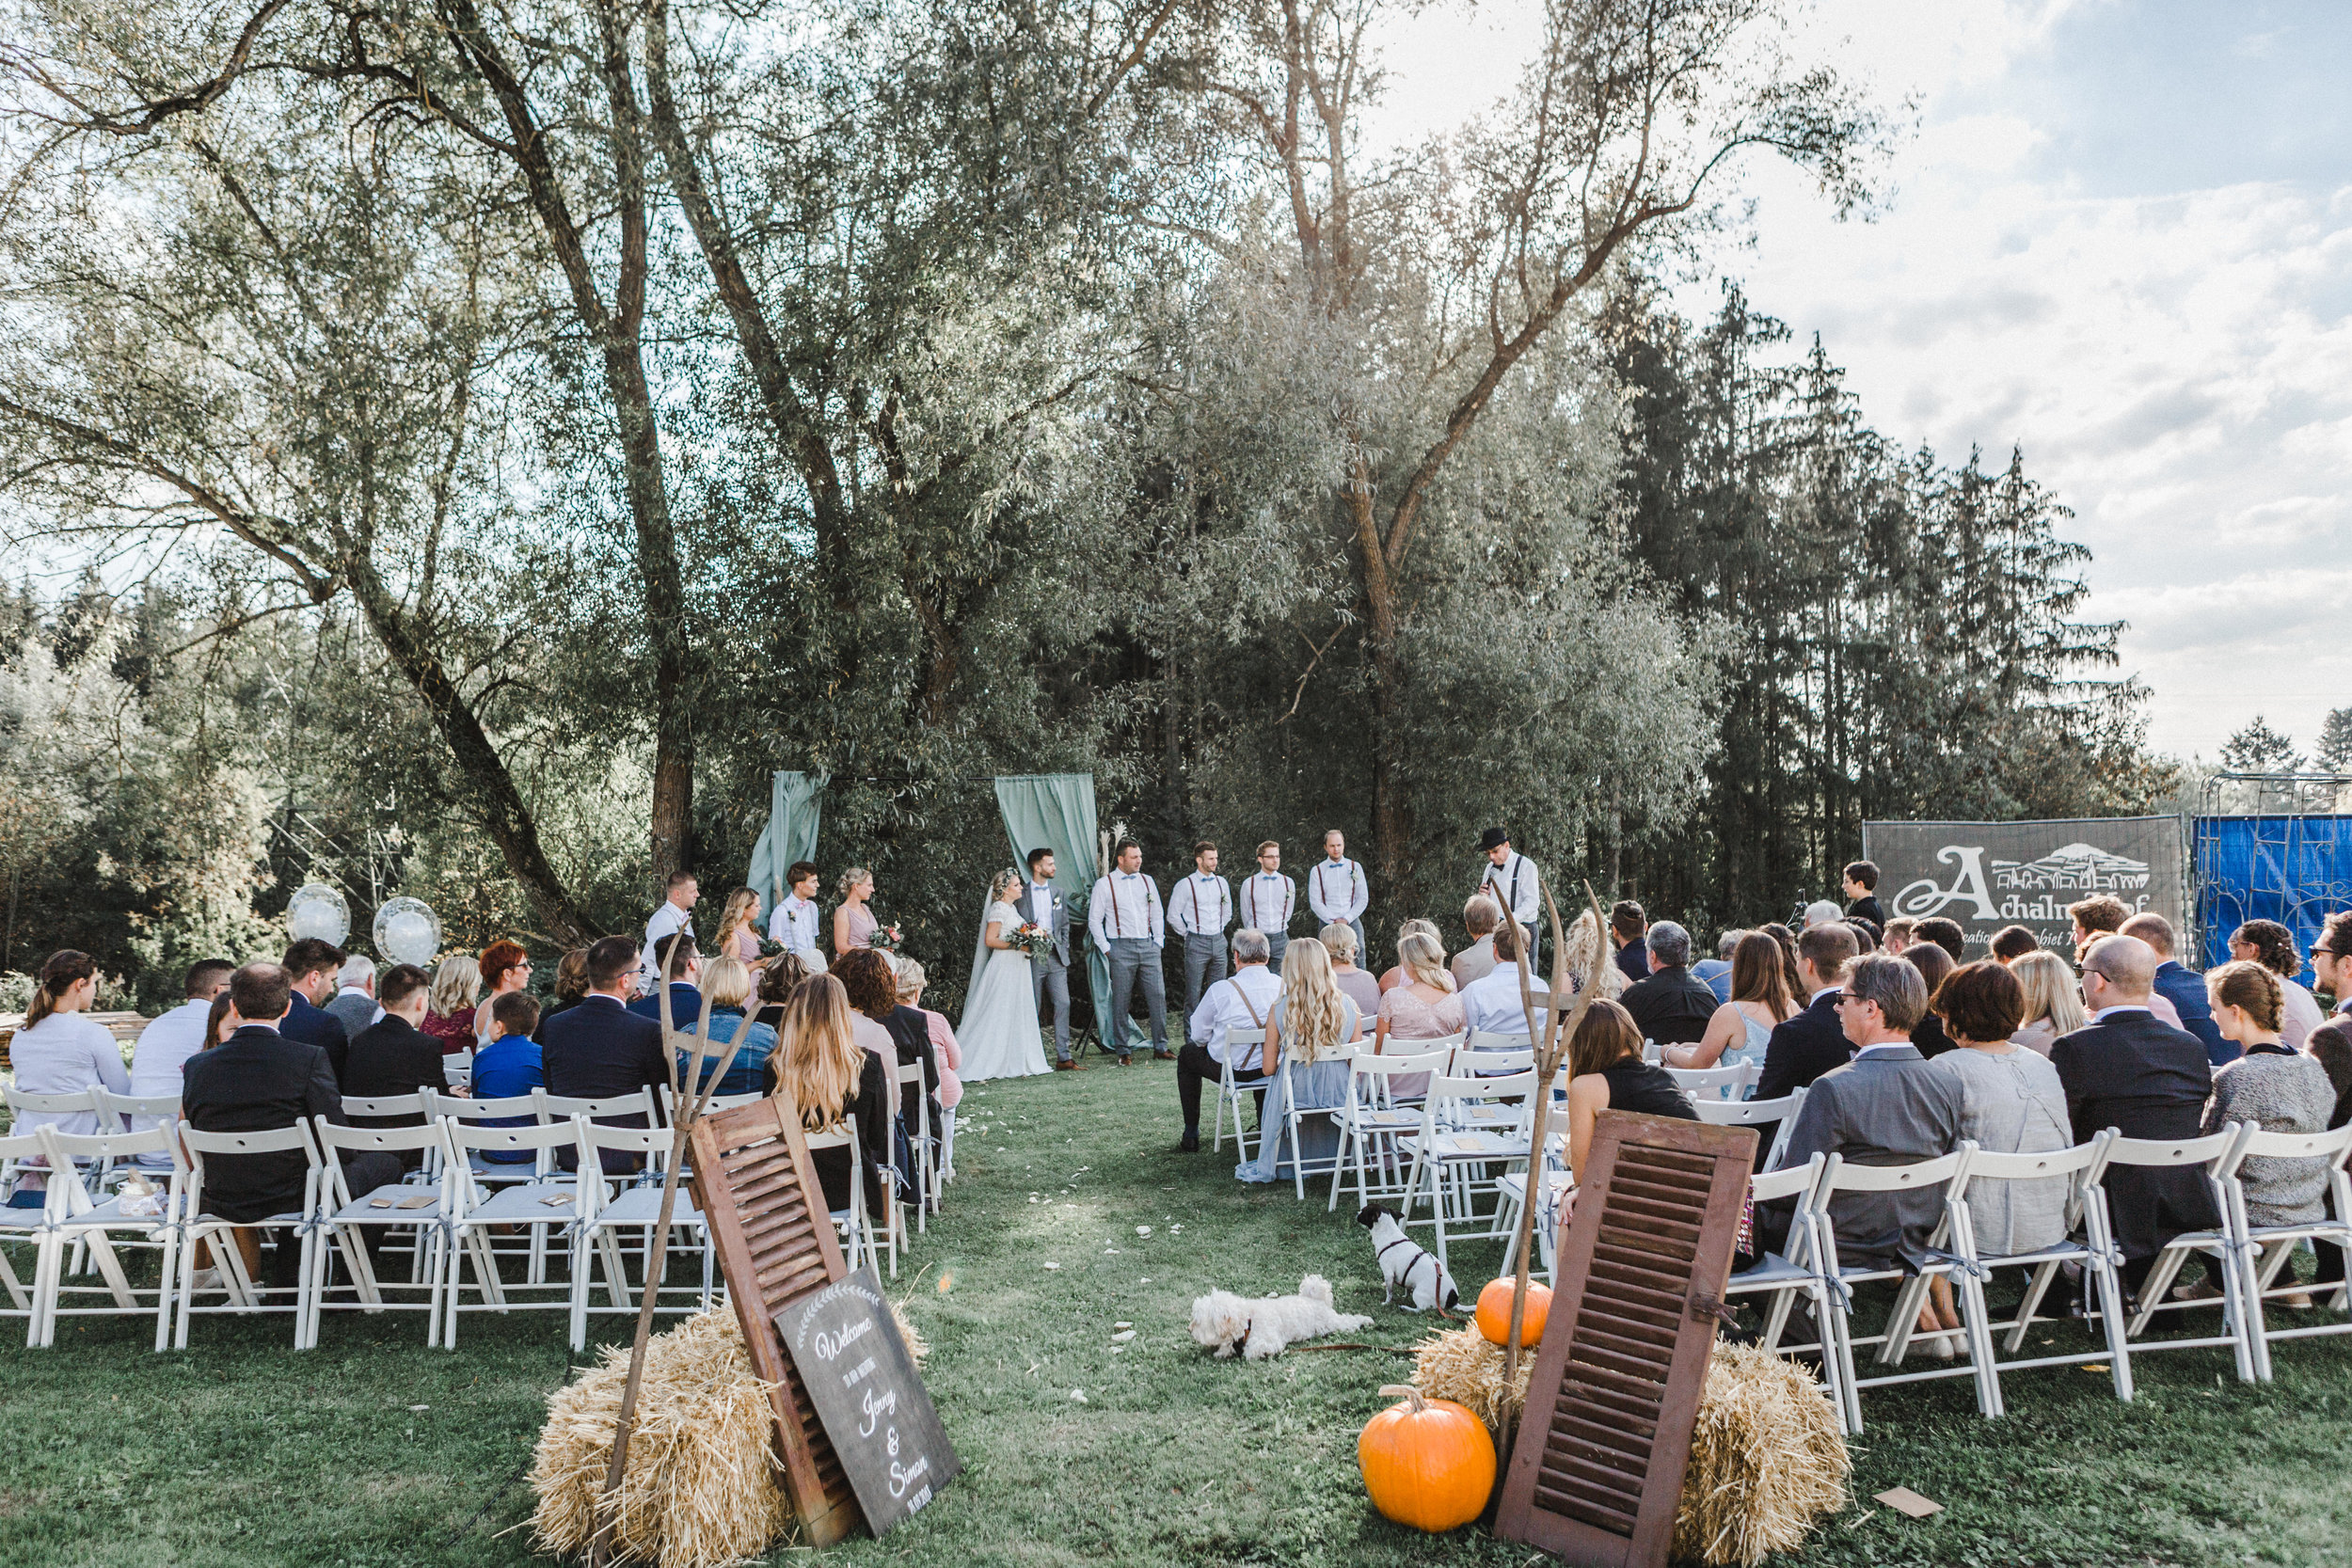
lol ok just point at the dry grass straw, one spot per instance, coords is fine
(702, 1488)
(1766, 1459)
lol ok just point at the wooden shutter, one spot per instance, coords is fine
(769, 1223)
(1598, 1466)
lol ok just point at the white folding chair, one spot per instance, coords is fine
(444, 1107)
(920, 1145)
(457, 1071)
(1457, 1153)
(2218, 1154)
(1944, 1175)
(139, 1113)
(557, 1108)
(1748, 1113)
(1785, 1275)
(2263, 1250)
(346, 1218)
(609, 1210)
(23, 1227)
(1238, 1042)
(1488, 1054)
(546, 1207)
(81, 1216)
(1288, 1117)
(856, 1227)
(1702, 1084)
(1372, 1119)
(243, 1295)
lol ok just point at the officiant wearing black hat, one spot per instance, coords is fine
(1511, 880)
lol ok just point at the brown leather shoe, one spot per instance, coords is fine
(1126, 1061)
(1163, 1055)
(1066, 1065)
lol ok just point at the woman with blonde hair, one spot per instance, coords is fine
(1423, 1007)
(727, 985)
(820, 1071)
(1306, 1031)
(450, 1004)
(853, 921)
(1397, 973)
(739, 929)
(2281, 1091)
(1357, 985)
(2054, 1000)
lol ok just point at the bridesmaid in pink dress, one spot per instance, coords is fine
(1422, 1008)
(739, 928)
(853, 923)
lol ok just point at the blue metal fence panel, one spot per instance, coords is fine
(2296, 870)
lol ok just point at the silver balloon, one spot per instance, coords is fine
(317, 909)
(408, 931)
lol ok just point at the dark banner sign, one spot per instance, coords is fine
(1988, 874)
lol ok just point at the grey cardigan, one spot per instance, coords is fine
(2280, 1094)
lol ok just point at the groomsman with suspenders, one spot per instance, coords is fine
(1199, 909)
(1512, 881)
(1338, 892)
(1130, 926)
(1268, 900)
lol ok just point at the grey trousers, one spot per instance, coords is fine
(1050, 979)
(1135, 958)
(1204, 966)
(1275, 942)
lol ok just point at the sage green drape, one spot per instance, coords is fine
(795, 802)
(1056, 811)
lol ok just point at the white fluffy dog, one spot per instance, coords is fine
(1225, 1322)
(1405, 1262)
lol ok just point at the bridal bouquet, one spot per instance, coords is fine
(887, 938)
(1034, 940)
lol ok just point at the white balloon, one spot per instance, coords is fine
(317, 909)
(408, 931)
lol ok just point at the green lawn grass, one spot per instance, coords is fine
(241, 1451)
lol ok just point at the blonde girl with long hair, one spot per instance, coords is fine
(450, 1004)
(820, 1071)
(739, 928)
(1422, 1008)
(2054, 1000)
(1307, 1030)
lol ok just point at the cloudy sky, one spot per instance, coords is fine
(2120, 236)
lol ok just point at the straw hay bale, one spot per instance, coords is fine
(1766, 1459)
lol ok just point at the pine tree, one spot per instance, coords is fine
(2260, 749)
(2335, 740)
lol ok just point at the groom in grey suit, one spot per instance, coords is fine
(1049, 971)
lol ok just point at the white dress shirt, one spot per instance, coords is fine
(1126, 905)
(1491, 1003)
(2105, 1013)
(1515, 885)
(1227, 1006)
(794, 926)
(1337, 892)
(1201, 905)
(669, 918)
(164, 1049)
(1268, 899)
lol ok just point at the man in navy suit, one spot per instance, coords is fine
(600, 1048)
(2183, 988)
(312, 963)
(2129, 1070)
(683, 962)
(1812, 1041)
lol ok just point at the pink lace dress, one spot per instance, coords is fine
(1410, 1018)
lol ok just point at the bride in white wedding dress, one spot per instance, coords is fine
(999, 1032)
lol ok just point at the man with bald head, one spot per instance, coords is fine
(2130, 1071)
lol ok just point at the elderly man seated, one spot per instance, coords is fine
(1671, 1005)
(1240, 1001)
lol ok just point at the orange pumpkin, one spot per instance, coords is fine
(1427, 1462)
(1494, 1312)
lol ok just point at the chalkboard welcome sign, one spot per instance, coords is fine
(847, 1349)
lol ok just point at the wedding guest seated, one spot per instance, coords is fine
(353, 1004)
(449, 1016)
(166, 1045)
(726, 984)
(2011, 1102)
(1424, 1007)
(393, 1057)
(571, 984)
(2279, 1089)
(2263, 942)
(600, 1048)
(820, 1071)
(1396, 974)
(1606, 1074)
(59, 1050)
(1888, 1106)
(1480, 917)
(314, 964)
(1715, 973)
(2128, 1071)
(2331, 958)
(1787, 939)
(2330, 1046)
(778, 980)
(2177, 984)
(1338, 942)
(1305, 1029)
(1898, 934)
(2012, 943)
(1492, 1006)
(2100, 914)
(1626, 926)
(683, 962)
(1741, 1030)
(2159, 1004)
(1811, 1042)
(1865, 935)
(2054, 1000)
(1822, 911)
(872, 984)
(1669, 1004)
(912, 979)
(260, 1080)
(1240, 1001)
(1934, 964)
(506, 967)
(1946, 933)
(512, 1065)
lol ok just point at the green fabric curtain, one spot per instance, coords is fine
(795, 802)
(1056, 811)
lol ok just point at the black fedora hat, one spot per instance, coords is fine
(1493, 838)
